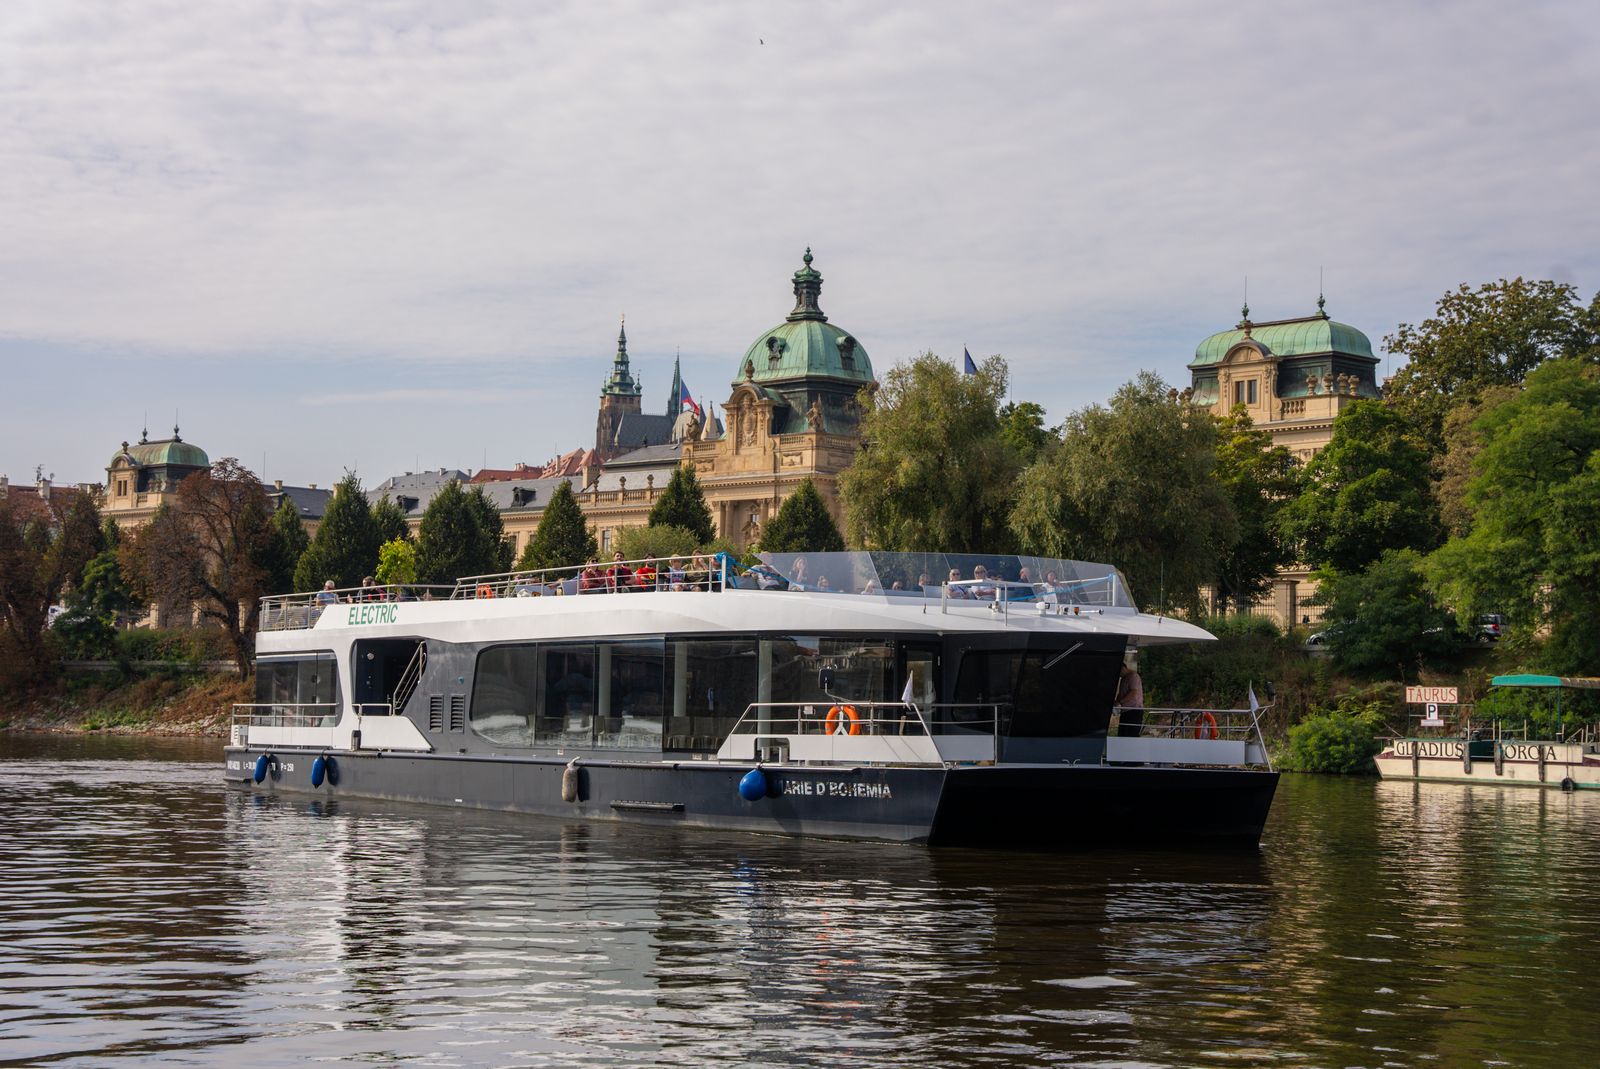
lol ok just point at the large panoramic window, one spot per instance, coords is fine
(710, 683)
(300, 679)
(576, 694)
(1040, 693)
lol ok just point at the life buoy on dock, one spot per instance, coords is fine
(1203, 723)
(842, 720)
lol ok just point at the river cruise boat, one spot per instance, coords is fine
(842, 695)
(1460, 750)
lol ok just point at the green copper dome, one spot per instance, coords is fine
(805, 345)
(173, 452)
(1311, 336)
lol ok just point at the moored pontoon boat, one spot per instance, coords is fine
(840, 695)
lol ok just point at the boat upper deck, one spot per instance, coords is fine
(1003, 584)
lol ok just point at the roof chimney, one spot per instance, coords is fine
(313, 486)
(278, 483)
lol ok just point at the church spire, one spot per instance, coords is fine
(621, 382)
(675, 400)
(807, 288)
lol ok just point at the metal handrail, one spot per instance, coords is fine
(290, 612)
(1187, 722)
(536, 582)
(817, 711)
(276, 716)
(411, 676)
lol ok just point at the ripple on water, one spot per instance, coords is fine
(150, 914)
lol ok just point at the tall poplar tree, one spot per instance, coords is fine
(345, 548)
(683, 504)
(461, 534)
(563, 538)
(802, 525)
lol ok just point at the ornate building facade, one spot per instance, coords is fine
(140, 477)
(1294, 377)
(794, 414)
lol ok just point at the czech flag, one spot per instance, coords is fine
(685, 401)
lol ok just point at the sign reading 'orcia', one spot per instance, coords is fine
(374, 614)
(1432, 695)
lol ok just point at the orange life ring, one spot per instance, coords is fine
(1202, 722)
(843, 714)
(486, 591)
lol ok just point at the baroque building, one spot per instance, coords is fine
(794, 414)
(142, 476)
(1293, 376)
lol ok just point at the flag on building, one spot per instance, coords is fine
(687, 402)
(970, 368)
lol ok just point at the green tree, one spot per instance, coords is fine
(1490, 336)
(683, 504)
(101, 598)
(460, 535)
(1022, 426)
(642, 543)
(288, 544)
(802, 525)
(1455, 467)
(1134, 485)
(1367, 491)
(390, 521)
(1529, 551)
(1260, 479)
(1384, 619)
(563, 538)
(397, 562)
(40, 555)
(345, 548)
(936, 472)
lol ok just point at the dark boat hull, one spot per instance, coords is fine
(1027, 806)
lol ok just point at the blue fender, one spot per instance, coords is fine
(263, 763)
(753, 787)
(319, 771)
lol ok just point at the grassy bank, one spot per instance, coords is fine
(161, 703)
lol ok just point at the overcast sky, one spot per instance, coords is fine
(391, 234)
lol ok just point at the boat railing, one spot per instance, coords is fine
(999, 596)
(844, 730)
(1134, 727)
(279, 718)
(610, 577)
(293, 612)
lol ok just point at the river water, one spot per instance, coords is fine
(148, 914)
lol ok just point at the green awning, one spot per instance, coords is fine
(1573, 682)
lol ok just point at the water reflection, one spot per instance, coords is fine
(151, 913)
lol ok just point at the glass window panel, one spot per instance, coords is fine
(505, 695)
(632, 712)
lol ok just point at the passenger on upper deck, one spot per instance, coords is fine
(619, 577)
(956, 591)
(984, 589)
(326, 596)
(676, 576)
(699, 573)
(645, 575)
(593, 579)
(767, 577)
(798, 578)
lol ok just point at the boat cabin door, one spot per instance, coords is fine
(386, 672)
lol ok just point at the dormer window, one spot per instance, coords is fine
(847, 352)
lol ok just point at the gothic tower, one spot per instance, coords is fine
(619, 396)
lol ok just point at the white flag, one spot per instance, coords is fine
(905, 695)
(1255, 706)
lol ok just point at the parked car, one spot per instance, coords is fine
(1491, 627)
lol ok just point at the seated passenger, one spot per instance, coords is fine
(698, 576)
(645, 575)
(824, 586)
(767, 577)
(956, 591)
(326, 596)
(619, 575)
(675, 573)
(799, 579)
(593, 579)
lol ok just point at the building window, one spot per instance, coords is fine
(605, 540)
(1251, 391)
(1244, 392)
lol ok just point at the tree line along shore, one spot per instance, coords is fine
(1470, 488)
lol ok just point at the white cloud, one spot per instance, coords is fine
(480, 184)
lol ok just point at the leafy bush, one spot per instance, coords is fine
(1343, 739)
(1248, 652)
(639, 543)
(177, 645)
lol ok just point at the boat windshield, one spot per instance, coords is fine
(978, 575)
